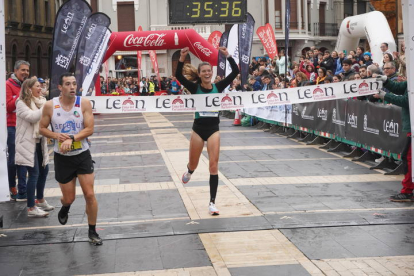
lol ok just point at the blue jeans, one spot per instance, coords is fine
(37, 177)
(12, 168)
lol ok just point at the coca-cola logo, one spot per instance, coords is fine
(152, 40)
(203, 49)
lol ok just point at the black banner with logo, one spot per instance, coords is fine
(70, 22)
(246, 32)
(371, 124)
(287, 30)
(221, 64)
(90, 48)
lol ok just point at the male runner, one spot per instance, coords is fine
(72, 122)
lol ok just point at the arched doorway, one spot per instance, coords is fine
(305, 50)
(39, 62)
(175, 58)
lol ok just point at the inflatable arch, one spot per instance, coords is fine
(160, 40)
(374, 26)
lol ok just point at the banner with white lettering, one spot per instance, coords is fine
(267, 37)
(278, 113)
(221, 63)
(70, 22)
(235, 100)
(89, 48)
(139, 60)
(233, 46)
(154, 60)
(246, 31)
(214, 39)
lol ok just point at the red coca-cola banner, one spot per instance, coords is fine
(153, 56)
(267, 36)
(139, 59)
(161, 40)
(214, 39)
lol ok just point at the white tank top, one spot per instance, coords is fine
(69, 122)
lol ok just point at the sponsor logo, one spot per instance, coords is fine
(351, 26)
(67, 21)
(335, 120)
(179, 105)
(145, 41)
(216, 41)
(203, 49)
(129, 106)
(369, 129)
(69, 127)
(91, 31)
(320, 94)
(274, 99)
(363, 88)
(306, 117)
(57, 106)
(227, 103)
(295, 110)
(222, 65)
(76, 113)
(85, 61)
(62, 61)
(323, 114)
(391, 128)
(245, 59)
(353, 120)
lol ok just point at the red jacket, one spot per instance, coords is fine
(12, 94)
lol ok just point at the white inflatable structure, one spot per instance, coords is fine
(374, 26)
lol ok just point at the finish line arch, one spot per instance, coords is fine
(160, 40)
(374, 26)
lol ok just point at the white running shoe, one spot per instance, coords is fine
(36, 212)
(212, 209)
(186, 177)
(44, 206)
(379, 160)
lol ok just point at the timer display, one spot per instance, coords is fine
(207, 11)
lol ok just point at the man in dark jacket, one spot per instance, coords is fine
(348, 71)
(399, 97)
(328, 62)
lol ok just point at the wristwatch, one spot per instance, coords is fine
(72, 137)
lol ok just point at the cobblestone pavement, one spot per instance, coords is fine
(286, 208)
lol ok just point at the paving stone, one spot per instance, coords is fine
(280, 270)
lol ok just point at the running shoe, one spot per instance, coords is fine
(13, 194)
(44, 205)
(186, 177)
(36, 212)
(212, 209)
(402, 198)
(94, 238)
(63, 216)
(21, 197)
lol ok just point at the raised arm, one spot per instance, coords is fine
(191, 86)
(221, 85)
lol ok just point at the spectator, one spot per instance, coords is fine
(328, 79)
(402, 70)
(360, 55)
(372, 71)
(309, 70)
(328, 61)
(337, 78)
(281, 61)
(13, 86)
(341, 58)
(301, 79)
(367, 59)
(266, 83)
(384, 48)
(348, 71)
(143, 87)
(321, 76)
(175, 86)
(386, 58)
(31, 147)
(335, 57)
(255, 85)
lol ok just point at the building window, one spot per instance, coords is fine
(361, 7)
(94, 5)
(126, 16)
(278, 14)
(348, 8)
(47, 13)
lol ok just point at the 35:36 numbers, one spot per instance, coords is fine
(224, 9)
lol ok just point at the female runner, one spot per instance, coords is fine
(206, 124)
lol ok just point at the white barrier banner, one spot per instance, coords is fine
(280, 113)
(234, 100)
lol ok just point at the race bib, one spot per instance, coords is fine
(208, 113)
(75, 146)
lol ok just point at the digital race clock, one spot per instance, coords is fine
(207, 11)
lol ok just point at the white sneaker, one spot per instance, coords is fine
(186, 177)
(36, 212)
(379, 160)
(45, 206)
(212, 209)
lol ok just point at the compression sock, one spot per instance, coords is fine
(92, 228)
(213, 187)
(189, 171)
(65, 209)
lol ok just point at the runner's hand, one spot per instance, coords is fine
(183, 54)
(66, 146)
(62, 137)
(224, 51)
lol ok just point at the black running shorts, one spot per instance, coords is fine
(205, 131)
(69, 167)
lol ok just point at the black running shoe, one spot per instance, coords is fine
(63, 216)
(94, 238)
(402, 198)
